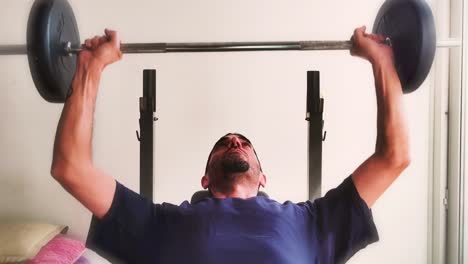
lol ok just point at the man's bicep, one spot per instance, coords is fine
(374, 176)
(92, 188)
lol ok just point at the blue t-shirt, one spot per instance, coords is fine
(256, 230)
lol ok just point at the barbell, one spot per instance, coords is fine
(53, 41)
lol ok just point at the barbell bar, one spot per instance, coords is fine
(133, 48)
(243, 46)
(53, 40)
(68, 49)
(13, 50)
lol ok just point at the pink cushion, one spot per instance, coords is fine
(60, 250)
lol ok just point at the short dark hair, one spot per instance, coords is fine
(224, 137)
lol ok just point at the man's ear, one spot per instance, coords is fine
(263, 180)
(205, 182)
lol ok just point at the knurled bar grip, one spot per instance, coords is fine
(226, 46)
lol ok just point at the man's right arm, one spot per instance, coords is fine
(72, 164)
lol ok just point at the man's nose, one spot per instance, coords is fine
(234, 143)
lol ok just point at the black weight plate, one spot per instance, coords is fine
(51, 25)
(411, 28)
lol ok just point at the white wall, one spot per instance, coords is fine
(200, 97)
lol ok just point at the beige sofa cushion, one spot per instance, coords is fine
(22, 241)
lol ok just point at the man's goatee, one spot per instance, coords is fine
(234, 164)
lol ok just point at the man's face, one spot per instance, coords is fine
(233, 161)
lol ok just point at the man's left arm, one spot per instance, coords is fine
(391, 155)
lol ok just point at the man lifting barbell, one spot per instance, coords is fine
(234, 225)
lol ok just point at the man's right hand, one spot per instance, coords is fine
(371, 47)
(101, 50)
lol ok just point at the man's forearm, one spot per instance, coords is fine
(391, 155)
(392, 134)
(72, 164)
(72, 147)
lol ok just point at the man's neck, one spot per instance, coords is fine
(237, 191)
